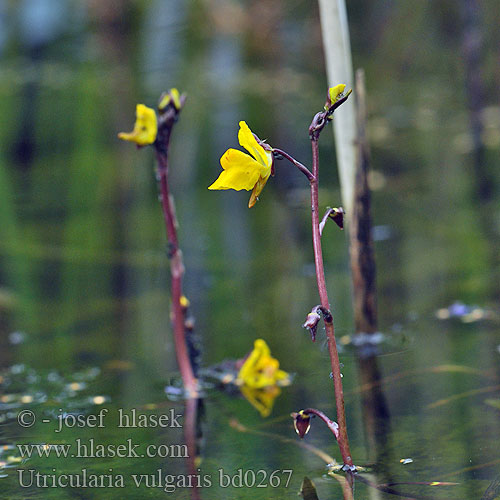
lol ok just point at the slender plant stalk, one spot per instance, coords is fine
(317, 125)
(166, 122)
(328, 319)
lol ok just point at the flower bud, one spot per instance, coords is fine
(172, 97)
(184, 302)
(311, 323)
(337, 215)
(301, 423)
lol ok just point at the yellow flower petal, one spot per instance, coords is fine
(334, 92)
(145, 127)
(240, 171)
(259, 186)
(260, 369)
(248, 141)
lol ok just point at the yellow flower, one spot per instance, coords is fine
(260, 369)
(241, 171)
(335, 92)
(145, 127)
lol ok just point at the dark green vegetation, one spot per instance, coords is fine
(82, 249)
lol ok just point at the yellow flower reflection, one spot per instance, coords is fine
(259, 378)
(241, 171)
(145, 127)
(261, 399)
(260, 369)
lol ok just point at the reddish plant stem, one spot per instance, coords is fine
(333, 426)
(323, 294)
(291, 159)
(176, 267)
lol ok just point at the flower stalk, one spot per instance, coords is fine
(251, 172)
(325, 303)
(167, 117)
(279, 153)
(336, 97)
(152, 130)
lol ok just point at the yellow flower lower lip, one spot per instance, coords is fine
(243, 171)
(145, 127)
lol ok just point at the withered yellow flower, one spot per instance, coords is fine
(241, 171)
(260, 369)
(145, 127)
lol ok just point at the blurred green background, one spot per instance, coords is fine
(84, 279)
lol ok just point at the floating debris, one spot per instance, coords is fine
(464, 312)
(382, 233)
(405, 461)
(17, 369)
(23, 386)
(76, 386)
(16, 338)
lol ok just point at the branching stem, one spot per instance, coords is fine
(299, 165)
(333, 426)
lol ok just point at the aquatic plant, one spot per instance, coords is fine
(152, 129)
(241, 171)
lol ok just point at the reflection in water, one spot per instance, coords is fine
(472, 47)
(193, 408)
(308, 490)
(376, 416)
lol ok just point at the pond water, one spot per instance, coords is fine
(84, 278)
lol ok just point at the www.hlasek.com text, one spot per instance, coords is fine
(89, 448)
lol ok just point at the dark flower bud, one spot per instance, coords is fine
(301, 423)
(337, 215)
